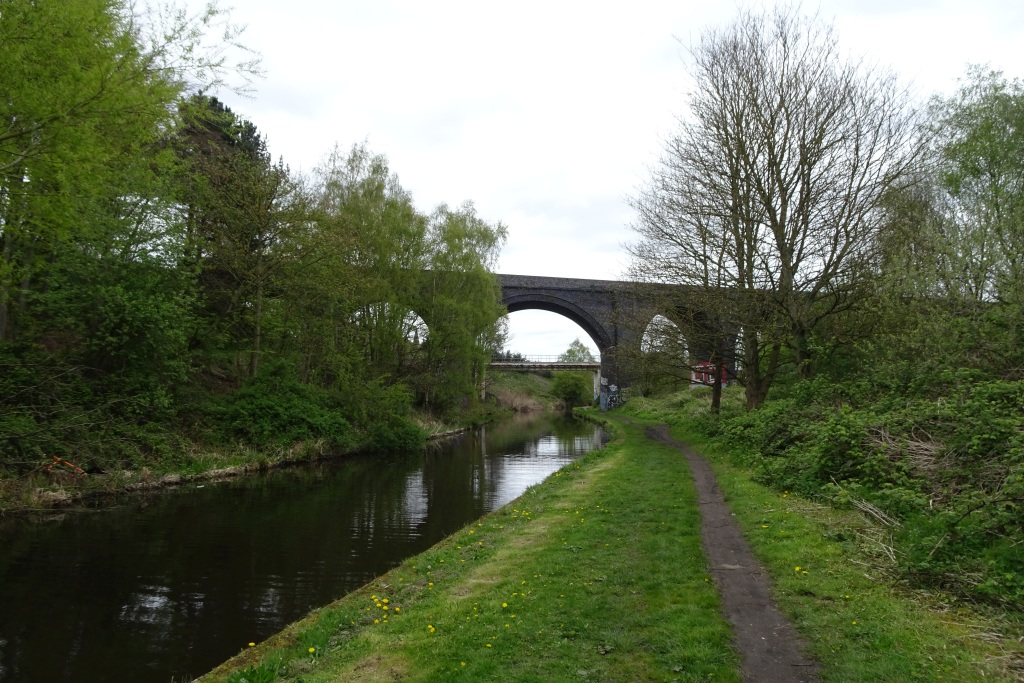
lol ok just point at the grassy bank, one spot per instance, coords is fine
(838, 575)
(579, 579)
(597, 574)
(182, 457)
(58, 483)
(245, 432)
(521, 391)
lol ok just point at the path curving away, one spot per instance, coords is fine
(769, 646)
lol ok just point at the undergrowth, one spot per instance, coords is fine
(942, 469)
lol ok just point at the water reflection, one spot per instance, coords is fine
(171, 584)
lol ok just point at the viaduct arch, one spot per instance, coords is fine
(613, 313)
(607, 310)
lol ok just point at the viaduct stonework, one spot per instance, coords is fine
(613, 313)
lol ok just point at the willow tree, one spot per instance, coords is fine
(767, 200)
(460, 297)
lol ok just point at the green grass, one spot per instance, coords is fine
(521, 391)
(862, 622)
(597, 574)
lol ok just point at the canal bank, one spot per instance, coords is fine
(598, 574)
(57, 482)
(165, 585)
(592, 575)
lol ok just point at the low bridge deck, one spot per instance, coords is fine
(542, 363)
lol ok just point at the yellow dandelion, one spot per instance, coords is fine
(504, 604)
(312, 650)
(252, 644)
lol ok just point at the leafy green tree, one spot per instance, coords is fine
(576, 353)
(94, 311)
(950, 275)
(89, 94)
(573, 388)
(368, 231)
(246, 217)
(979, 138)
(460, 299)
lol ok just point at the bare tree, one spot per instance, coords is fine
(768, 198)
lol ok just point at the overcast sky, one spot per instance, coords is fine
(547, 115)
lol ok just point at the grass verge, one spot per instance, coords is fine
(596, 574)
(521, 392)
(833, 575)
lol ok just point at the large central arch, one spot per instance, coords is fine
(600, 307)
(594, 329)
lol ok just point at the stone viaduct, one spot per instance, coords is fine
(613, 313)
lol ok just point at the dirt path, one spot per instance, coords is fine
(768, 644)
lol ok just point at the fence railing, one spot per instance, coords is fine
(520, 358)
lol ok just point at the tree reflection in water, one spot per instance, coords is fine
(173, 583)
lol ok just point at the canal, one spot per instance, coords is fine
(163, 587)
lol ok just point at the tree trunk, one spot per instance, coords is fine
(758, 383)
(6, 274)
(716, 386)
(804, 367)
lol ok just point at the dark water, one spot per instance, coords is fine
(171, 584)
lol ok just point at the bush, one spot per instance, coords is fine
(948, 464)
(573, 388)
(277, 410)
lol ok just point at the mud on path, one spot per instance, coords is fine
(769, 646)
